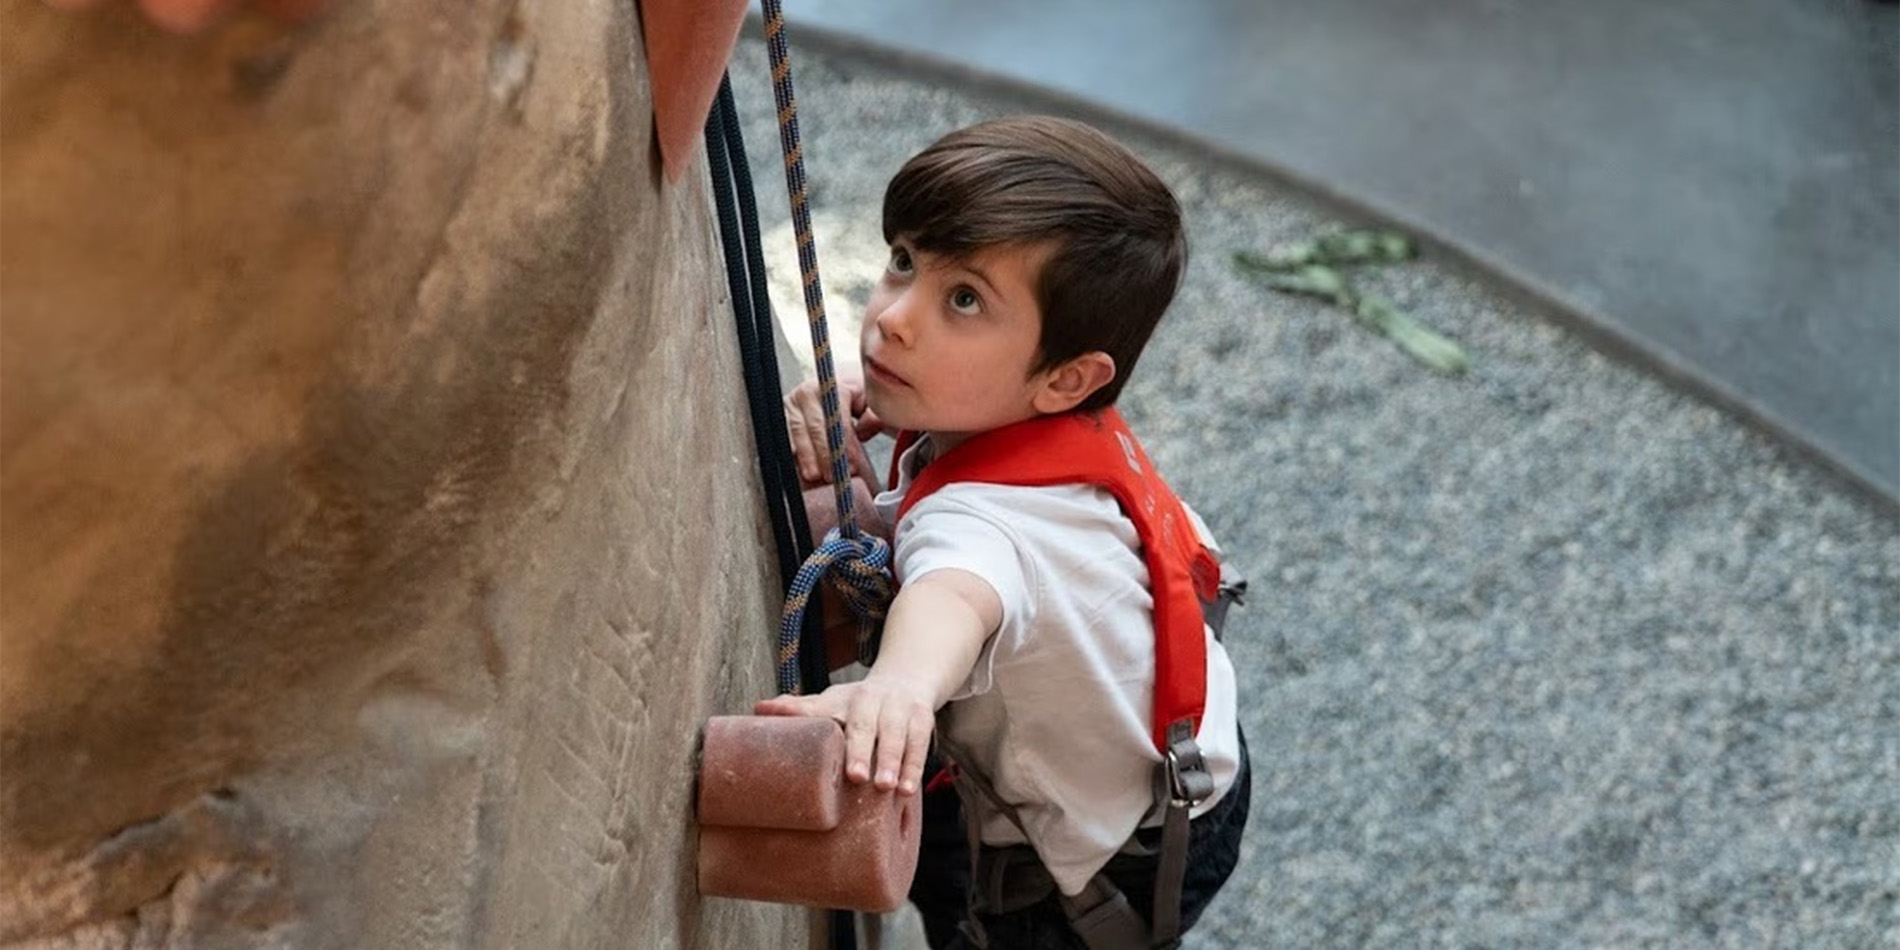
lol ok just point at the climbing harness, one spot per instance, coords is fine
(857, 564)
(1189, 591)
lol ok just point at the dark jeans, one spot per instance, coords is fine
(943, 874)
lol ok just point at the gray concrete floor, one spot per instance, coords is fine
(1713, 183)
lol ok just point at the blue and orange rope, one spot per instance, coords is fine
(855, 563)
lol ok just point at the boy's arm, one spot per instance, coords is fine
(932, 637)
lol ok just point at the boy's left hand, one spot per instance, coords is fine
(887, 722)
(806, 425)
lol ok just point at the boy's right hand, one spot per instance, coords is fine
(805, 422)
(932, 637)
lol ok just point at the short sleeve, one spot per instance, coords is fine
(941, 533)
(1201, 529)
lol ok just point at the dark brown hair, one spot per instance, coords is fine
(1118, 246)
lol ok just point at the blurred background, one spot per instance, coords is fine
(1713, 183)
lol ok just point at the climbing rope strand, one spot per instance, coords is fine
(737, 213)
(732, 184)
(796, 187)
(746, 271)
(855, 563)
(749, 223)
(866, 587)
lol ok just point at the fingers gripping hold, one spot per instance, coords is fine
(886, 729)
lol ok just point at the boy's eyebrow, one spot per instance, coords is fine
(981, 274)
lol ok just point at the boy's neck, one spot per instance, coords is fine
(941, 442)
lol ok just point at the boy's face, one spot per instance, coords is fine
(948, 342)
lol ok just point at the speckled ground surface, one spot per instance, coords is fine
(1714, 182)
(1547, 655)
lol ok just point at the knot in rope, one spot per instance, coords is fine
(859, 569)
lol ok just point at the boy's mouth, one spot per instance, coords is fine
(883, 373)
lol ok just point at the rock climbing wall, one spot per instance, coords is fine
(379, 515)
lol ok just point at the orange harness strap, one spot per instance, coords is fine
(1096, 448)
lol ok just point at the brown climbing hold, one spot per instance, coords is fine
(771, 772)
(778, 822)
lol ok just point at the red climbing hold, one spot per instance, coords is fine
(779, 823)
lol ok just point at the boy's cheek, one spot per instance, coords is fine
(889, 413)
(875, 402)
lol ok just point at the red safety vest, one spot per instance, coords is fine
(1096, 448)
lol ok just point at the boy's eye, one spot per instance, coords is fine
(965, 300)
(900, 261)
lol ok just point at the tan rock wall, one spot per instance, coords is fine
(377, 512)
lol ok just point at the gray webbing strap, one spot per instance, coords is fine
(1102, 917)
(972, 927)
(1169, 874)
(971, 783)
(1188, 783)
(1100, 914)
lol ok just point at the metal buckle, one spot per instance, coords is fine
(1188, 780)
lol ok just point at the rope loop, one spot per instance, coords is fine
(859, 569)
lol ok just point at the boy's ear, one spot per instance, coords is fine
(1064, 387)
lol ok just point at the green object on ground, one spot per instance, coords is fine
(1425, 344)
(1339, 248)
(1314, 280)
(1316, 268)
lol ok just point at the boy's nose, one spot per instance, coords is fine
(895, 320)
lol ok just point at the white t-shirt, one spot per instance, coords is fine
(1057, 710)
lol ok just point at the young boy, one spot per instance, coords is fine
(1051, 587)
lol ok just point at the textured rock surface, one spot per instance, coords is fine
(380, 523)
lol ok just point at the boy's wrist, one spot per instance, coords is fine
(909, 686)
